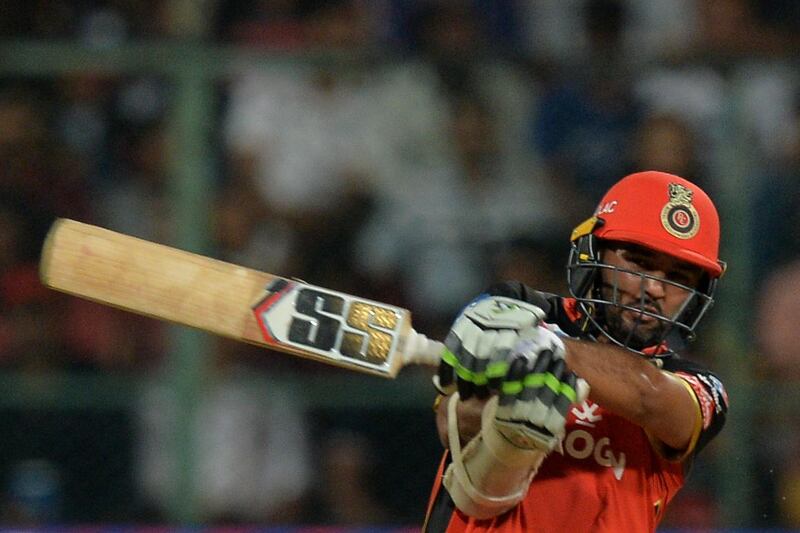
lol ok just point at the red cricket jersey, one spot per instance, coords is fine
(609, 476)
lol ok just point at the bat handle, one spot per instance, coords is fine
(421, 350)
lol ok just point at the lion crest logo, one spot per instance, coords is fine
(679, 217)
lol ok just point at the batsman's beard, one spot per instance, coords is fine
(633, 330)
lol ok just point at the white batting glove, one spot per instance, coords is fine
(480, 342)
(519, 428)
(537, 393)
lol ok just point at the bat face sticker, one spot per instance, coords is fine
(330, 324)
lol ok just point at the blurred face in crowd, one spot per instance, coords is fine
(473, 130)
(777, 334)
(22, 124)
(633, 284)
(451, 31)
(23, 137)
(665, 143)
(343, 25)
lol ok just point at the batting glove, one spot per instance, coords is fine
(479, 345)
(537, 393)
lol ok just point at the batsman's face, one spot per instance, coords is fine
(649, 289)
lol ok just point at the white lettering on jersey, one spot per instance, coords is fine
(585, 414)
(580, 444)
(604, 456)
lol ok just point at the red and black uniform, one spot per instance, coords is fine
(609, 475)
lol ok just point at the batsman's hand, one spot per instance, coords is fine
(478, 347)
(537, 393)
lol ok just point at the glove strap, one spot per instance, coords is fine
(468, 492)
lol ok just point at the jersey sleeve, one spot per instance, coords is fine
(711, 397)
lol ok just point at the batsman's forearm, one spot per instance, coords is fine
(622, 382)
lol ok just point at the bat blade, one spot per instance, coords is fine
(189, 289)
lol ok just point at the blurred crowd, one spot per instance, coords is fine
(441, 146)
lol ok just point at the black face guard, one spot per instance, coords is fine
(596, 298)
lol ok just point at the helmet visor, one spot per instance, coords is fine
(630, 317)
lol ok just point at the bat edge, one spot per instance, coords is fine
(46, 256)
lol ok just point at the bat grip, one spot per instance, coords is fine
(421, 350)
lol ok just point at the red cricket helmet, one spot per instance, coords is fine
(659, 211)
(663, 212)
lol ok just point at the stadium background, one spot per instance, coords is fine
(408, 151)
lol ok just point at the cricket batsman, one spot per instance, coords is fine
(578, 413)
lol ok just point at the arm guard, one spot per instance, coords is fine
(490, 475)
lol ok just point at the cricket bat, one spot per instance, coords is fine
(240, 303)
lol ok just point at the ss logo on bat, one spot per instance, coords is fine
(328, 323)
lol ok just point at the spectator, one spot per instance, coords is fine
(775, 205)
(135, 198)
(94, 23)
(778, 338)
(438, 237)
(587, 115)
(24, 303)
(778, 363)
(39, 180)
(668, 143)
(535, 262)
(347, 498)
(253, 461)
(737, 46)
(459, 60)
(38, 173)
(317, 140)
(246, 232)
(652, 31)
